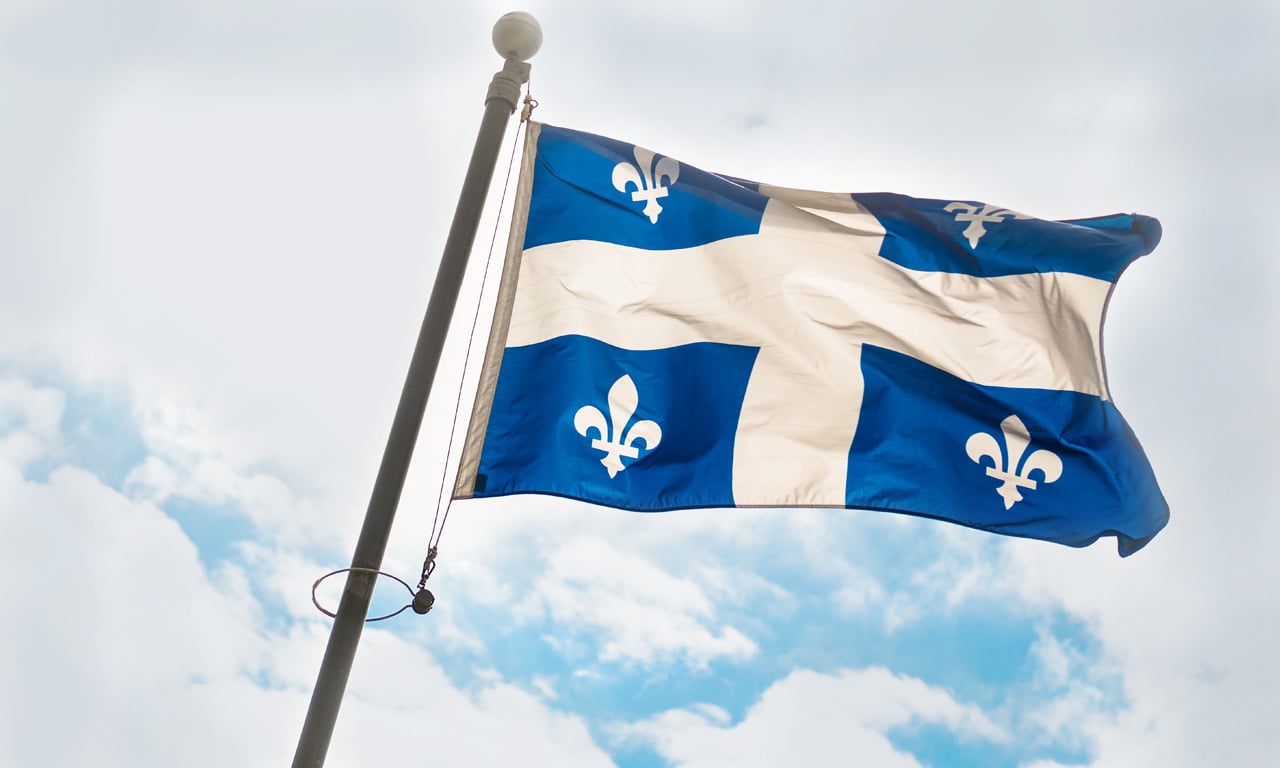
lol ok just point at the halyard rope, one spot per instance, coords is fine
(444, 498)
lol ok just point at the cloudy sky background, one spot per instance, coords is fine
(219, 224)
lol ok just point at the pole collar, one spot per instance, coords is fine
(505, 86)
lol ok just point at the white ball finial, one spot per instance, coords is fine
(517, 35)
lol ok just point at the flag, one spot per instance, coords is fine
(670, 338)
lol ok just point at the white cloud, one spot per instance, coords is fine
(30, 417)
(235, 217)
(190, 458)
(809, 718)
(738, 587)
(1071, 695)
(161, 239)
(121, 622)
(545, 687)
(125, 637)
(1188, 635)
(402, 707)
(641, 612)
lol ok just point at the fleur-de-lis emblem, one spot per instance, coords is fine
(646, 176)
(1015, 473)
(978, 218)
(614, 438)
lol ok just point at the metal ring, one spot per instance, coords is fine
(375, 571)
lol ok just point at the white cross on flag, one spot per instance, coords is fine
(669, 338)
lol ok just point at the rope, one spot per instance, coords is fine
(316, 601)
(422, 600)
(444, 498)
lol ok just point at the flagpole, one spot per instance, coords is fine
(516, 36)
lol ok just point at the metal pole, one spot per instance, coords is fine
(331, 683)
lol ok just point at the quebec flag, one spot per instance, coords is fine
(669, 338)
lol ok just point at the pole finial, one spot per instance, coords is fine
(517, 35)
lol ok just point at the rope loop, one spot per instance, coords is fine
(422, 600)
(316, 601)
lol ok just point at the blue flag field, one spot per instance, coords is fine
(669, 338)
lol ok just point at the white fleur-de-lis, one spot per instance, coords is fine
(614, 438)
(646, 176)
(978, 217)
(1015, 472)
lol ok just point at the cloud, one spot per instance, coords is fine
(30, 417)
(191, 460)
(1193, 652)
(233, 217)
(641, 613)
(121, 622)
(404, 708)
(153, 658)
(808, 718)
(1072, 694)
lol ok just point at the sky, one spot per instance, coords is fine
(219, 226)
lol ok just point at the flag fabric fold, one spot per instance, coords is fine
(669, 338)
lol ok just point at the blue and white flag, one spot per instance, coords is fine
(669, 338)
